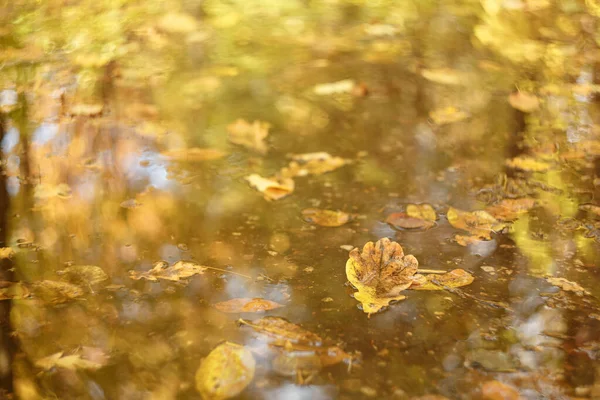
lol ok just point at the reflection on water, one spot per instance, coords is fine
(117, 151)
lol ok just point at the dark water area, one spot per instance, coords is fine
(120, 125)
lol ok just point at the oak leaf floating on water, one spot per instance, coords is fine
(567, 285)
(524, 101)
(327, 218)
(379, 273)
(313, 164)
(448, 115)
(453, 279)
(225, 372)
(272, 188)
(194, 154)
(479, 223)
(176, 272)
(510, 209)
(249, 135)
(417, 216)
(280, 329)
(526, 163)
(246, 305)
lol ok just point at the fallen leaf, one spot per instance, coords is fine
(567, 285)
(250, 135)
(465, 240)
(246, 304)
(380, 273)
(272, 188)
(524, 101)
(83, 275)
(495, 390)
(328, 218)
(448, 115)
(289, 363)
(479, 223)
(594, 209)
(423, 211)
(282, 330)
(525, 163)
(13, 290)
(510, 209)
(444, 76)
(344, 86)
(54, 292)
(71, 362)
(453, 279)
(313, 164)
(6, 252)
(176, 272)
(194, 154)
(176, 22)
(48, 191)
(225, 372)
(403, 220)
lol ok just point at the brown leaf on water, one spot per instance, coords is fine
(379, 273)
(194, 154)
(465, 240)
(328, 218)
(526, 163)
(417, 216)
(448, 115)
(54, 292)
(176, 272)
(83, 275)
(282, 330)
(250, 135)
(13, 290)
(510, 209)
(71, 362)
(479, 223)
(524, 101)
(225, 372)
(272, 188)
(567, 285)
(453, 279)
(246, 305)
(313, 164)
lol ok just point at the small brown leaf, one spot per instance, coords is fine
(405, 221)
(83, 275)
(225, 372)
(379, 273)
(272, 188)
(242, 305)
(453, 279)
(250, 135)
(567, 285)
(328, 218)
(283, 330)
(313, 164)
(479, 223)
(524, 101)
(176, 272)
(510, 209)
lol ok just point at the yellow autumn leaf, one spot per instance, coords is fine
(249, 135)
(524, 101)
(272, 188)
(479, 223)
(526, 163)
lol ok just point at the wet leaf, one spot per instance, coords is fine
(250, 135)
(510, 209)
(524, 101)
(324, 89)
(6, 252)
(479, 223)
(313, 164)
(328, 218)
(194, 154)
(225, 372)
(491, 360)
(176, 272)
(54, 292)
(495, 390)
(444, 76)
(83, 275)
(13, 290)
(566, 285)
(294, 363)
(525, 163)
(246, 304)
(448, 115)
(465, 240)
(453, 279)
(71, 362)
(379, 273)
(271, 188)
(405, 221)
(282, 329)
(423, 211)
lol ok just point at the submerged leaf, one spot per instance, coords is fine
(313, 164)
(328, 218)
(453, 279)
(250, 135)
(246, 304)
(448, 115)
(479, 223)
(225, 372)
(510, 209)
(379, 273)
(290, 363)
(417, 216)
(525, 163)
(566, 285)
(162, 270)
(523, 101)
(83, 275)
(71, 362)
(281, 329)
(54, 292)
(271, 188)
(194, 154)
